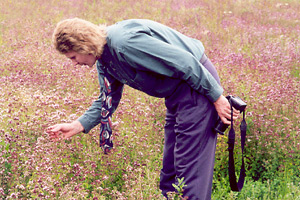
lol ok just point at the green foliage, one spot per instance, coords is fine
(253, 44)
(179, 188)
(281, 187)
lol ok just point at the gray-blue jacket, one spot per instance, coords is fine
(152, 58)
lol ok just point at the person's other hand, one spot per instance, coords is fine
(223, 108)
(64, 131)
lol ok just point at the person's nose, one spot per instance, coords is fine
(74, 62)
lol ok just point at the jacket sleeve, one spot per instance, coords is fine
(144, 52)
(92, 117)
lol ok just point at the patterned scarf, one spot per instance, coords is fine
(105, 130)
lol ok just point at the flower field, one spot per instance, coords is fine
(255, 45)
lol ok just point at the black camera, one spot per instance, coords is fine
(235, 102)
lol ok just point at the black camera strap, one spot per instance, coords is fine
(236, 186)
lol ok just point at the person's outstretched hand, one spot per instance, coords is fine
(222, 106)
(64, 131)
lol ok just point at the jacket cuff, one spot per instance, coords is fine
(214, 95)
(85, 123)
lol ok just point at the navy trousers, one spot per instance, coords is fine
(190, 142)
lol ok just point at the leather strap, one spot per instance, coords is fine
(236, 186)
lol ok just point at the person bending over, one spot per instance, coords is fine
(160, 62)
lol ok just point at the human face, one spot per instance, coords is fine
(81, 59)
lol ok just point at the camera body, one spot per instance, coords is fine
(235, 102)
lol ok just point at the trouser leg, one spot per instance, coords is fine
(195, 150)
(168, 174)
(190, 143)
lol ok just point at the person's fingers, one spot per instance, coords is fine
(56, 136)
(48, 130)
(52, 129)
(227, 115)
(236, 112)
(56, 128)
(225, 120)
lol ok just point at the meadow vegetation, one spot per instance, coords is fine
(253, 43)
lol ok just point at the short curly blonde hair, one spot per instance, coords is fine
(80, 36)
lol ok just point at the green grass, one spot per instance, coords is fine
(255, 46)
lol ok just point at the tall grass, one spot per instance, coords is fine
(254, 45)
